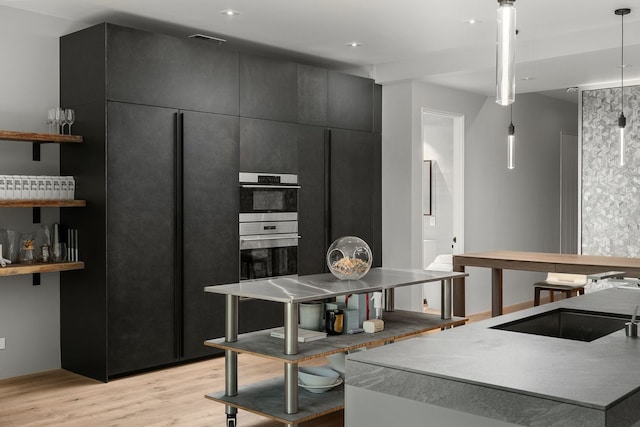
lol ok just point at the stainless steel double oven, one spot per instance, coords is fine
(268, 223)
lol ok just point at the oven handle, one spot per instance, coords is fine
(269, 186)
(270, 237)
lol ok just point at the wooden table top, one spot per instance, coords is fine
(549, 262)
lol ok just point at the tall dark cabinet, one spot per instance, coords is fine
(160, 173)
(168, 124)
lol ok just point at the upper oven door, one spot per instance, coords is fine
(267, 201)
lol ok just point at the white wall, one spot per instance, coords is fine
(504, 210)
(29, 84)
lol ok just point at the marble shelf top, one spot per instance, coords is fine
(320, 286)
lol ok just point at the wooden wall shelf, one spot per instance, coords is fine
(18, 269)
(42, 203)
(9, 135)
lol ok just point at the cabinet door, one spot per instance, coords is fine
(268, 89)
(312, 245)
(140, 236)
(352, 185)
(312, 95)
(267, 146)
(350, 102)
(211, 207)
(155, 69)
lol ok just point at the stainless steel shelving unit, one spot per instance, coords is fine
(279, 399)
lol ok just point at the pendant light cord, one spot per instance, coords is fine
(622, 66)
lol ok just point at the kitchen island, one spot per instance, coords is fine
(478, 375)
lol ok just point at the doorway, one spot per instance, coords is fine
(442, 192)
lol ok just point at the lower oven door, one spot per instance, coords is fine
(264, 256)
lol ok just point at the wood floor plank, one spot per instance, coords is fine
(167, 397)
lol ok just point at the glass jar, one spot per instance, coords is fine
(27, 249)
(349, 258)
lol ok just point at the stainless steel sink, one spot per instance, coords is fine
(568, 324)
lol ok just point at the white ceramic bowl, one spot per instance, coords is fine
(319, 388)
(317, 375)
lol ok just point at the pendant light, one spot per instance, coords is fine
(622, 120)
(506, 53)
(511, 140)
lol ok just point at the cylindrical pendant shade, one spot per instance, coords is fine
(621, 146)
(622, 123)
(511, 140)
(510, 144)
(506, 53)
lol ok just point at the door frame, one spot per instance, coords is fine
(458, 173)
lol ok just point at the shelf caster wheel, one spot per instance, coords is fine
(231, 420)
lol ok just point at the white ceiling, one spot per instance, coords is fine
(561, 43)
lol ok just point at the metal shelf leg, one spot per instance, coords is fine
(291, 347)
(446, 299)
(230, 357)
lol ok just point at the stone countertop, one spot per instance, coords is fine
(471, 368)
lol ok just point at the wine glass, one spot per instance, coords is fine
(59, 113)
(70, 116)
(51, 118)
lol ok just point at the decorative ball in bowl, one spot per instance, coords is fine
(349, 258)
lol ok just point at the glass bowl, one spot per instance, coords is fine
(349, 258)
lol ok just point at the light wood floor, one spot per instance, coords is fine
(168, 397)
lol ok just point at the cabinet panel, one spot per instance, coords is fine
(352, 185)
(312, 95)
(376, 242)
(267, 146)
(83, 305)
(155, 69)
(140, 236)
(268, 89)
(311, 200)
(211, 245)
(377, 108)
(350, 102)
(82, 70)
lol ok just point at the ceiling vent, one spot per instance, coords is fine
(205, 37)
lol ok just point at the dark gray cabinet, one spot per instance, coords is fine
(377, 108)
(162, 188)
(350, 102)
(210, 223)
(312, 203)
(268, 88)
(140, 236)
(340, 194)
(352, 184)
(312, 95)
(167, 71)
(268, 146)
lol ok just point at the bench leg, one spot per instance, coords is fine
(536, 297)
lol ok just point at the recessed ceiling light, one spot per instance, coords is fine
(354, 44)
(472, 21)
(229, 12)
